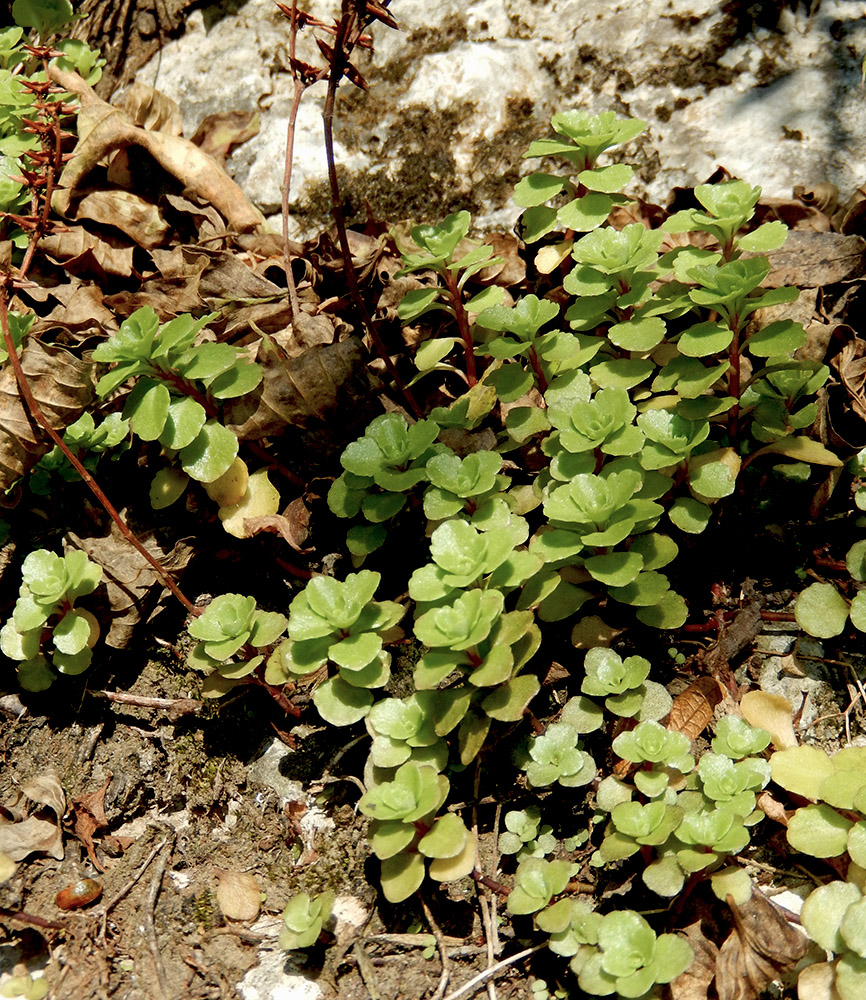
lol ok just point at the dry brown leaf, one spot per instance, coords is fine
(694, 983)
(238, 895)
(88, 816)
(850, 362)
(63, 387)
(824, 196)
(77, 247)
(83, 314)
(133, 215)
(102, 129)
(692, 710)
(771, 712)
(38, 832)
(228, 277)
(129, 578)
(771, 807)
(761, 946)
(219, 134)
(292, 525)
(325, 393)
(810, 260)
(149, 109)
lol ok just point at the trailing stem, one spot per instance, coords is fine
(348, 33)
(49, 162)
(463, 326)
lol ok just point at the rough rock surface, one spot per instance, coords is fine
(771, 91)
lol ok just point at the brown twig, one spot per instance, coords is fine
(443, 953)
(174, 706)
(301, 81)
(482, 978)
(93, 486)
(20, 917)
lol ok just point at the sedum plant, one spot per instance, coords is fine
(525, 836)
(406, 831)
(234, 636)
(89, 442)
(179, 385)
(444, 250)
(304, 919)
(338, 622)
(51, 584)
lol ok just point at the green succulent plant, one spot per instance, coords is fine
(235, 637)
(525, 836)
(338, 622)
(179, 386)
(304, 919)
(51, 584)
(405, 831)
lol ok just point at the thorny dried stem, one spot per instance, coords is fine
(348, 34)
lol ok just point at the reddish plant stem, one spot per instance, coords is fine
(491, 883)
(463, 326)
(338, 64)
(300, 85)
(41, 225)
(20, 917)
(276, 693)
(95, 488)
(535, 361)
(714, 624)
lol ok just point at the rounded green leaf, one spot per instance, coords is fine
(858, 611)
(819, 831)
(770, 236)
(35, 674)
(637, 334)
(821, 611)
(183, 423)
(340, 703)
(19, 645)
(671, 612)
(824, 911)
(536, 189)
(712, 480)
(147, 411)
(210, 454)
(508, 702)
(855, 560)
(801, 769)
(167, 485)
(402, 876)
(851, 977)
(240, 379)
(853, 928)
(73, 663)
(777, 339)
(446, 839)
(704, 339)
(616, 569)
(606, 179)
(71, 634)
(690, 515)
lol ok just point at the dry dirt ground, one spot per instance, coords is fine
(166, 807)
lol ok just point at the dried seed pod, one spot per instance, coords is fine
(84, 892)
